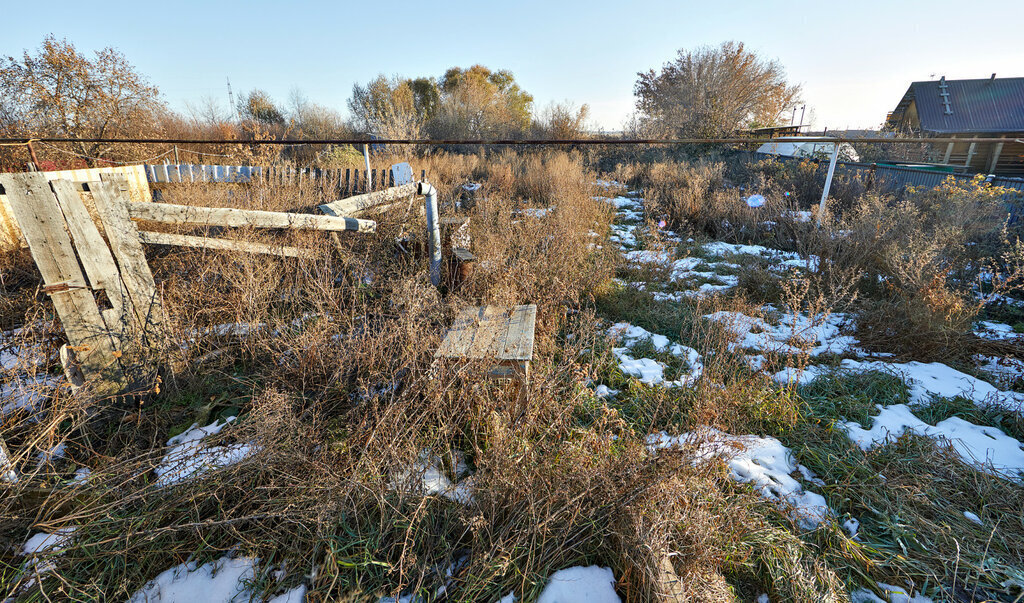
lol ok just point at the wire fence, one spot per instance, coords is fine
(894, 178)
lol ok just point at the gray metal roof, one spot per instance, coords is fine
(983, 106)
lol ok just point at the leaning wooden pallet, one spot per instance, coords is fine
(121, 348)
(45, 227)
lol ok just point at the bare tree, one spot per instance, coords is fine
(209, 112)
(59, 92)
(712, 91)
(561, 121)
(386, 107)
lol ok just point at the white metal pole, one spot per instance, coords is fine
(433, 230)
(366, 157)
(828, 181)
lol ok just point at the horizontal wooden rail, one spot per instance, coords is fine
(358, 203)
(180, 240)
(168, 213)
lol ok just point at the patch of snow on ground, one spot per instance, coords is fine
(189, 458)
(26, 394)
(893, 594)
(988, 447)
(794, 334)
(785, 258)
(535, 212)
(649, 371)
(42, 544)
(48, 543)
(222, 581)
(624, 202)
(797, 376)
(927, 379)
(580, 585)
(796, 216)
(995, 331)
(624, 235)
(426, 476)
(1004, 371)
(762, 462)
(7, 472)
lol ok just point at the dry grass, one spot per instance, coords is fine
(329, 367)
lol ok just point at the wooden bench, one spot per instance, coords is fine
(502, 336)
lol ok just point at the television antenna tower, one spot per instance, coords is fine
(231, 100)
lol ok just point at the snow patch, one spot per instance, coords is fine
(794, 334)
(224, 580)
(188, 458)
(649, 371)
(762, 462)
(579, 584)
(426, 476)
(987, 447)
(893, 594)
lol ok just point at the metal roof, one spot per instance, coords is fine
(966, 106)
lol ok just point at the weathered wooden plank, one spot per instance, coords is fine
(366, 201)
(168, 213)
(112, 204)
(180, 240)
(519, 341)
(42, 225)
(490, 333)
(456, 342)
(99, 264)
(38, 214)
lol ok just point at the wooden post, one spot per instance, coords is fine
(994, 161)
(32, 154)
(176, 160)
(970, 155)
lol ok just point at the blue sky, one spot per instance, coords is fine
(854, 59)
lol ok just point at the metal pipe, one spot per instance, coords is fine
(366, 157)
(433, 230)
(828, 182)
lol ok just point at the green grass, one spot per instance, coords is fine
(852, 396)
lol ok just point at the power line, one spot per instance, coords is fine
(508, 142)
(74, 154)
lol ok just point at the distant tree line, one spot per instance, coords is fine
(57, 91)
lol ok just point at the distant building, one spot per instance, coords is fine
(793, 146)
(986, 108)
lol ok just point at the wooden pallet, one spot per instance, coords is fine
(500, 337)
(79, 267)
